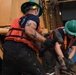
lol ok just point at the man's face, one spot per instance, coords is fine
(36, 9)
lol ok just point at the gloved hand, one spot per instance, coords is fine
(49, 43)
(69, 64)
(62, 63)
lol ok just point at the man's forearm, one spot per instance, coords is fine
(35, 35)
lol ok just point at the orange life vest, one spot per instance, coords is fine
(16, 33)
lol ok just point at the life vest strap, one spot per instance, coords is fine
(23, 41)
(12, 29)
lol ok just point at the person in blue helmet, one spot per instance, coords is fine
(22, 42)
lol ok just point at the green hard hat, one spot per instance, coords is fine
(70, 27)
(30, 3)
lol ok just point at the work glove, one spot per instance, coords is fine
(66, 62)
(49, 43)
(69, 64)
(62, 63)
(66, 66)
(46, 46)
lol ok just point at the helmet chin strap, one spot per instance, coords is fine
(38, 11)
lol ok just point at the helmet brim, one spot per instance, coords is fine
(24, 5)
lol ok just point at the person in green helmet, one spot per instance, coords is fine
(68, 33)
(22, 43)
